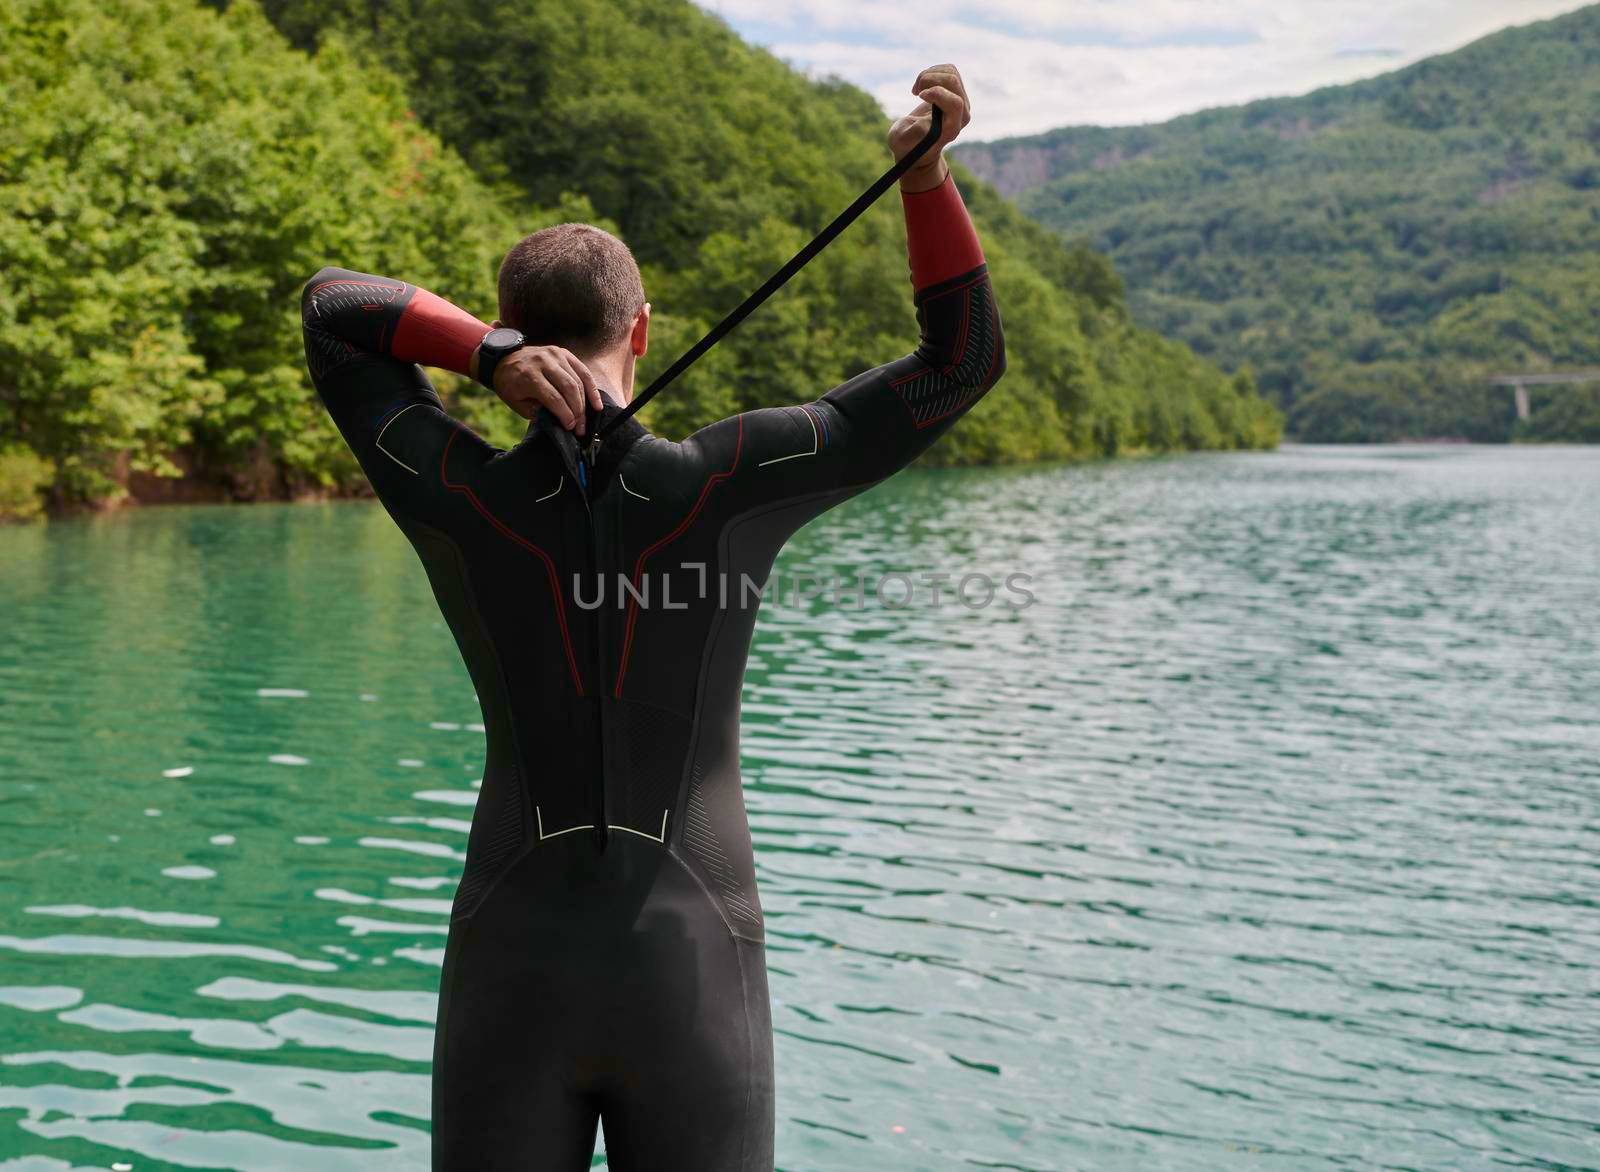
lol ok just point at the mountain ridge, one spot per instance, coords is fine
(1370, 250)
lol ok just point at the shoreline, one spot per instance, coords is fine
(145, 491)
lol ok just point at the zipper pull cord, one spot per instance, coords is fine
(792, 266)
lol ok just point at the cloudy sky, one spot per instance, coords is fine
(1035, 64)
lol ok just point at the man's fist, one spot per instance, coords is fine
(549, 377)
(938, 85)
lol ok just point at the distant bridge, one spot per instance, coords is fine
(1519, 384)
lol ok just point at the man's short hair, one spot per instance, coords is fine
(572, 285)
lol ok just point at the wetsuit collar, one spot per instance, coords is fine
(572, 449)
(616, 444)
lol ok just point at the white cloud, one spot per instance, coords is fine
(1031, 65)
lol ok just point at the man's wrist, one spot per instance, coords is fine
(494, 347)
(925, 176)
(941, 243)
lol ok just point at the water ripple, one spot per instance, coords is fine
(1268, 835)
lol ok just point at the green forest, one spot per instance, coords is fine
(1372, 251)
(171, 173)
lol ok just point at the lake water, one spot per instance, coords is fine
(1268, 836)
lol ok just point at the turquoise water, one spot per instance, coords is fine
(1269, 836)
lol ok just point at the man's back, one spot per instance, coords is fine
(605, 624)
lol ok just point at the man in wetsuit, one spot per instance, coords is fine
(605, 958)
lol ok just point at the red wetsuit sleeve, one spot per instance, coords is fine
(347, 312)
(939, 235)
(433, 332)
(367, 338)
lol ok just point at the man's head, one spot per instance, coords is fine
(576, 286)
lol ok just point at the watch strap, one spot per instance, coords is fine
(489, 356)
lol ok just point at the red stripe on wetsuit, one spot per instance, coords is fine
(435, 333)
(940, 238)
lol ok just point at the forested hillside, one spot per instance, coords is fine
(1371, 250)
(170, 174)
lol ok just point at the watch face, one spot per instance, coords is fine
(502, 339)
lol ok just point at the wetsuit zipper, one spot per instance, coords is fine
(602, 825)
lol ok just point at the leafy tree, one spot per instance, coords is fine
(173, 172)
(171, 177)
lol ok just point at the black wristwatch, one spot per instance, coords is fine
(496, 345)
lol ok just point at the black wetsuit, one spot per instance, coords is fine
(605, 956)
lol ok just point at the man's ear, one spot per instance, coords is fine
(639, 342)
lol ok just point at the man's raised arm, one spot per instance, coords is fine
(366, 339)
(878, 422)
(365, 336)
